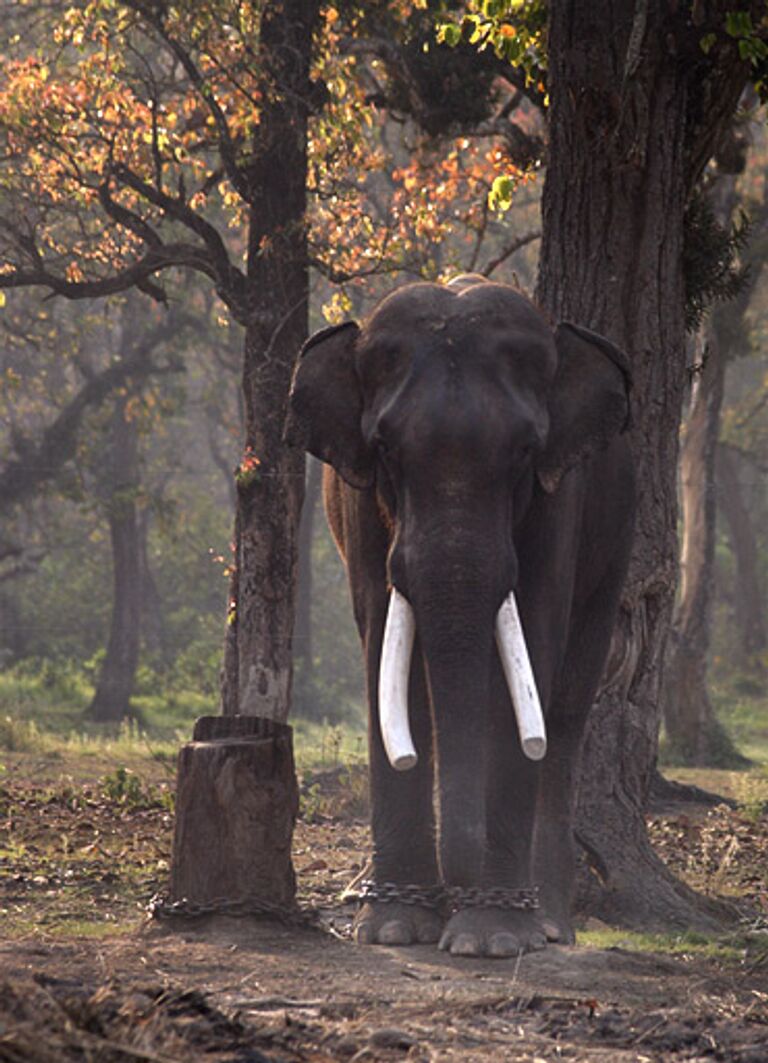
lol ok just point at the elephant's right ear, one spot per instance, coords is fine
(325, 405)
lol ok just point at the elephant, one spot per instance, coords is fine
(479, 484)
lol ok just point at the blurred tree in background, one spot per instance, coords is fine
(141, 138)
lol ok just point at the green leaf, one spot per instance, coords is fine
(450, 34)
(738, 24)
(500, 196)
(707, 42)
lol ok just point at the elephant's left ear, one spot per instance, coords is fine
(589, 403)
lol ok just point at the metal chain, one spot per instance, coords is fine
(161, 907)
(404, 893)
(524, 899)
(454, 897)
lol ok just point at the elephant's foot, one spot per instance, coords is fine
(492, 932)
(392, 923)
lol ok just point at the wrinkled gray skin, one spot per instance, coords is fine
(474, 450)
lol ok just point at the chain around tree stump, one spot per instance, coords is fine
(165, 910)
(237, 800)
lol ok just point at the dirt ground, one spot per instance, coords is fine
(84, 975)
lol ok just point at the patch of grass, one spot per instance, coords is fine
(322, 747)
(124, 787)
(752, 793)
(81, 859)
(20, 736)
(66, 926)
(166, 714)
(745, 718)
(749, 789)
(729, 948)
(55, 695)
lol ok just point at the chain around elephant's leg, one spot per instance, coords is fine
(386, 920)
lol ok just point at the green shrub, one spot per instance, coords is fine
(20, 736)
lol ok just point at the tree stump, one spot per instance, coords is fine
(236, 804)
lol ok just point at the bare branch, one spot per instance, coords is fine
(523, 149)
(227, 276)
(129, 219)
(509, 250)
(137, 275)
(41, 460)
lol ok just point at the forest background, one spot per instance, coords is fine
(123, 419)
(130, 186)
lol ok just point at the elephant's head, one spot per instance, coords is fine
(457, 403)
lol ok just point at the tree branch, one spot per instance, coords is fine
(128, 219)
(227, 276)
(137, 275)
(153, 15)
(523, 149)
(40, 461)
(509, 250)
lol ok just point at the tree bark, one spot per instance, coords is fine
(236, 805)
(153, 629)
(257, 664)
(111, 701)
(749, 596)
(621, 166)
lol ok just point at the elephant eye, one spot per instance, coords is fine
(386, 453)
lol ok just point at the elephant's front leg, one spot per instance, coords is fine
(404, 906)
(555, 859)
(480, 927)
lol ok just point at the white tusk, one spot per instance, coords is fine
(394, 671)
(519, 675)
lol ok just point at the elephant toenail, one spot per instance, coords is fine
(395, 932)
(504, 944)
(465, 945)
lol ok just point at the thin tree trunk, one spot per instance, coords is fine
(611, 259)
(111, 701)
(303, 696)
(14, 636)
(270, 480)
(749, 595)
(153, 630)
(694, 733)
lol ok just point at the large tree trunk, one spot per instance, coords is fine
(694, 733)
(748, 592)
(619, 172)
(257, 666)
(111, 701)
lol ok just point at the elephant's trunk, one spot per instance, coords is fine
(459, 690)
